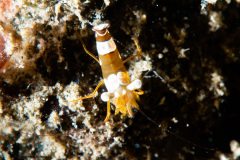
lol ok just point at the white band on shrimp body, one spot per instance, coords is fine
(106, 47)
(101, 26)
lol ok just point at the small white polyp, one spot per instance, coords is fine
(136, 84)
(106, 47)
(112, 82)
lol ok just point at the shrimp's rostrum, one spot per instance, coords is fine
(122, 92)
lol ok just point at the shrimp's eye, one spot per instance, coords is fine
(134, 110)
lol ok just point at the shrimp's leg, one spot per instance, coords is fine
(91, 95)
(139, 52)
(108, 111)
(85, 48)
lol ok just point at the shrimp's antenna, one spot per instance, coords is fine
(179, 137)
